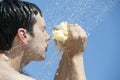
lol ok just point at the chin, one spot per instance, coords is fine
(43, 57)
(40, 57)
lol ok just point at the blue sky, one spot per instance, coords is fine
(101, 20)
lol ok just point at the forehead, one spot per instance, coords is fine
(40, 20)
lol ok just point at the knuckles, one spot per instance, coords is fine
(76, 32)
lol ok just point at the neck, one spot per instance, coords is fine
(14, 58)
(15, 61)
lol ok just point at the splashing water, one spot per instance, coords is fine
(87, 13)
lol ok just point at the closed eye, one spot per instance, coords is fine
(43, 29)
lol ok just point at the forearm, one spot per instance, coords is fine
(71, 68)
(64, 69)
(77, 68)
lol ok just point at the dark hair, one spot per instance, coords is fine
(15, 14)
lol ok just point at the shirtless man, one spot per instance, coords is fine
(23, 38)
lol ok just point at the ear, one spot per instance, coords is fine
(23, 35)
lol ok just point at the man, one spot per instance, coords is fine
(23, 38)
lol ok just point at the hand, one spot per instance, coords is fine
(76, 41)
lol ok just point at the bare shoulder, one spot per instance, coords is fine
(7, 73)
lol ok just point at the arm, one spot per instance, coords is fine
(71, 66)
(71, 69)
(77, 69)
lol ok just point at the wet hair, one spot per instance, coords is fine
(15, 14)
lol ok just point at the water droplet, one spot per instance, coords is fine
(57, 74)
(57, 3)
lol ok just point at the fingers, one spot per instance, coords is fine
(77, 32)
(81, 32)
(72, 32)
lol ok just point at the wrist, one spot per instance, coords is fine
(73, 53)
(74, 66)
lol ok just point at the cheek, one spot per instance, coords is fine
(37, 45)
(37, 48)
(35, 42)
(39, 36)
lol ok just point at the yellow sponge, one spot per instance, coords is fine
(62, 34)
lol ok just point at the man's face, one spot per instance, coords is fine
(38, 44)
